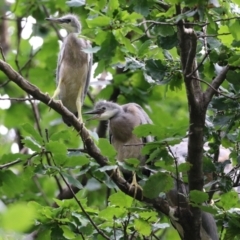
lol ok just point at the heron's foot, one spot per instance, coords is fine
(135, 186)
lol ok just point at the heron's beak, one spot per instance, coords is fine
(97, 113)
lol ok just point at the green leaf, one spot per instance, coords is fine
(121, 199)
(144, 48)
(112, 212)
(157, 183)
(142, 226)
(198, 196)
(156, 69)
(76, 161)
(6, 158)
(12, 219)
(56, 148)
(168, 42)
(67, 232)
(112, 6)
(141, 6)
(30, 143)
(100, 21)
(228, 200)
(73, 181)
(106, 148)
(234, 29)
(33, 132)
(145, 130)
(184, 167)
(64, 135)
(11, 184)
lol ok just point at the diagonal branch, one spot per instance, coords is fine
(217, 81)
(158, 203)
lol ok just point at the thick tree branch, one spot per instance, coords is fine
(159, 203)
(217, 81)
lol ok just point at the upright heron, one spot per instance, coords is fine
(73, 67)
(122, 120)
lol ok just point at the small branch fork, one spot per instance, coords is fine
(159, 204)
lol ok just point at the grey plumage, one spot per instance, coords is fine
(122, 120)
(73, 67)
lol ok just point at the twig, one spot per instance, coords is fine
(1, 50)
(54, 27)
(199, 65)
(30, 59)
(35, 179)
(49, 163)
(220, 93)
(217, 81)
(5, 83)
(82, 208)
(10, 164)
(158, 203)
(17, 99)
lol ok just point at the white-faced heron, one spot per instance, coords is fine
(122, 120)
(73, 67)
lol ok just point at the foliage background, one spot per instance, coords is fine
(144, 63)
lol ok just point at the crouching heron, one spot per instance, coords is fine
(73, 67)
(122, 120)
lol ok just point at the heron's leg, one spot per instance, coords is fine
(79, 104)
(56, 92)
(134, 184)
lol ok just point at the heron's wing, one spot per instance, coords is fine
(60, 59)
(141, 115)
(90, 61)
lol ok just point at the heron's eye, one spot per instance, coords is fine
(68, 20)
(103, 108)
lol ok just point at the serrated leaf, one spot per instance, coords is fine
(209, 209)
(157, 183)
(33, 132)
(76, 161)
(145, 130)
(13, 156)
(106, 148)
(121, 199)
(184, 167)
(67, 232)
(149, 215)
(73, 181)
(56, 148)
(133, 161)
(198, 196)
(65, 135)
(142, 226)
(156, 69)
(100, 21)
(229, 199)
(30, 143)
(111, 211)
(112, 6)
(10, 183)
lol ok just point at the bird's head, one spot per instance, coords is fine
(70, 22)
(104, 110)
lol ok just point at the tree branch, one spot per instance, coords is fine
(159, 204)
(217, 81)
